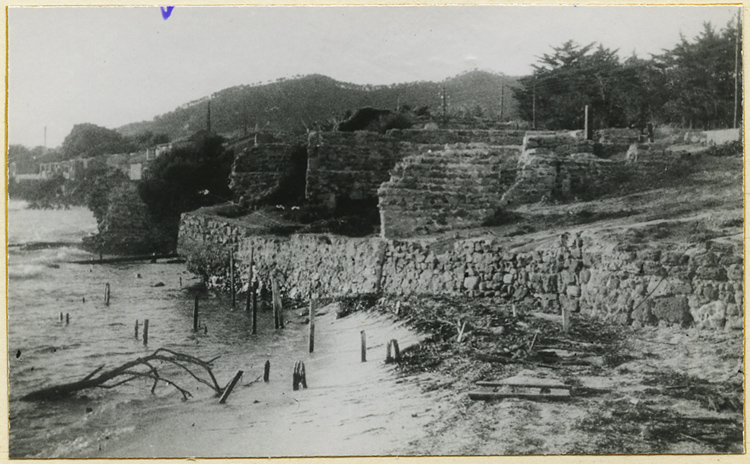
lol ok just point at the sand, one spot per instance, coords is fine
(350, 408)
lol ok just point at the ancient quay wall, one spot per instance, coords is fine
(623, 284)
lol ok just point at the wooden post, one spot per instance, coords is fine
(145, 332)
(249, 282)
(254, 292)
(278, 313)
(267, 371)
(299, 376)
(587, 129)
(136, 329)
(180, 281)
(363, 348)
(230, 387)
(195, 315)
(106, 294)
(312, 325)
(61, 317)
(67, 318)
(231, 277)
(396, 357)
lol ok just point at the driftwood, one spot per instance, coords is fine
(140, 368)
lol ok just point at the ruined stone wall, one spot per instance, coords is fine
(453, 136)
(454, 188)
(634, 284)
(258, 170)
(552, 168)
(348, 165)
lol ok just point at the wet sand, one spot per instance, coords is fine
(351, 408)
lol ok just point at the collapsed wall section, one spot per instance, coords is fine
(455, 188)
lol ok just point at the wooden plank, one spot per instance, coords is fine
(523, 384)
(487, 395)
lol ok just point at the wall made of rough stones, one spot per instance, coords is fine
(348, 165)
(453, 136)
(454, 188)
(259, 169)
(626, 284)
(551, 167)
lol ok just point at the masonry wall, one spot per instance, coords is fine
(258, 169)
(448, 136)
(348, 165)
(454, 188)
(644, 284)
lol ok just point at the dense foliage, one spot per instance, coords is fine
(692, 85)
(184, 179)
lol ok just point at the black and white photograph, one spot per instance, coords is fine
(352, 231)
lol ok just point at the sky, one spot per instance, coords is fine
(115, 65)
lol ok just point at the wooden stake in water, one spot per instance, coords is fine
(61, 317)
(231, 277)
(180, 281)
(67, 318)
(312, 325)
(136, 329)
(106, 294)
(230, 387)
(195, 315)
(363, 350)
(267, 371)
(145, 332)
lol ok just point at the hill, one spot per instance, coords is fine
(291, 105)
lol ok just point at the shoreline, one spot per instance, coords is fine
(351, 408)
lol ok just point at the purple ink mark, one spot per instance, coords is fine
(166, 12)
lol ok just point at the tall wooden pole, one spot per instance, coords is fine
(502, 101)
(145, 332)
(312, 325)
(195, 315)
(587, 123)
(231, 277)
(736, 69)
(533, 105)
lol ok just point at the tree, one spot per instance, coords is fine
(89, 140)
(185, 179)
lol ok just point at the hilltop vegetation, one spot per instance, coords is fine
(292, 105)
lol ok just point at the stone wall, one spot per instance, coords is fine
(453, 136)
(454, 188)
(551, 167)
(644, 284)
(259, 169)
(348, 165)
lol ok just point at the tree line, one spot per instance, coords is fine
(693, 85)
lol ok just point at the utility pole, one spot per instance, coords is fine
(736, 69)
(208, 117)
(442, 97)
(502, 101)
(533, 106)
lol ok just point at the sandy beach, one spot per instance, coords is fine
(350, 408)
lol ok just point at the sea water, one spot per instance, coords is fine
(44, 350)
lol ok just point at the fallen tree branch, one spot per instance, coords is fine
(139, 368)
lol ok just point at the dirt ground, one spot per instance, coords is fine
(633, 391)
